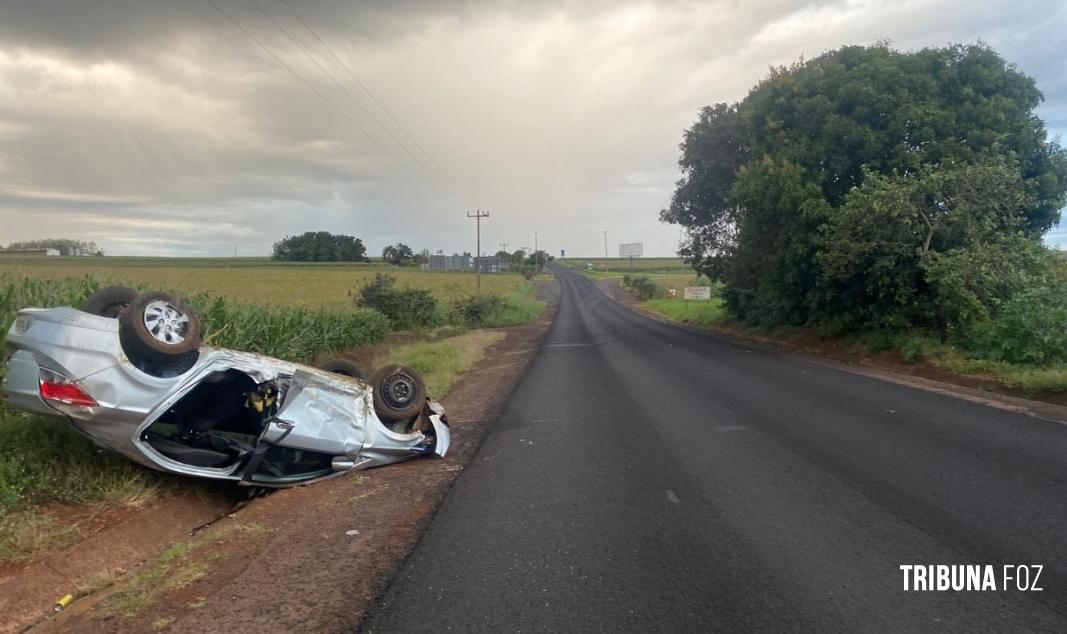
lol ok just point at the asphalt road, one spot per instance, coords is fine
(648, 478)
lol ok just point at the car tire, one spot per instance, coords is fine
(158, 328)
(344, 367)
(399, 393)
(110, 302)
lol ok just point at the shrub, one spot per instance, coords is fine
(476, 311)
(643, 287)
(1030, 328)
(405, 307)
(916, 347)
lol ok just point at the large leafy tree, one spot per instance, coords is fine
(773, 193)
(398, 254)
(320, 246)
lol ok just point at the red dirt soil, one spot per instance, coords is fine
(114, 540)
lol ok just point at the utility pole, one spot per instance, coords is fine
(605, 249)
(504, 246)
(478, 215)
(537, 258)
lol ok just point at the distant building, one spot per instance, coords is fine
(490, 264)
(441, 262)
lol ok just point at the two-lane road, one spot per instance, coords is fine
(648, 478)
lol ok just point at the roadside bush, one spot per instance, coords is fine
(643, 287)
(1030, 328)
(476, 311)
(917, 347)
(405, 307)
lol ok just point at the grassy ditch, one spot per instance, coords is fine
(698, 313)
(440, 362)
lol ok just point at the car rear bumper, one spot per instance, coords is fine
(21, 387)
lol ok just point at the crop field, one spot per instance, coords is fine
(256, 280)
(641, 266)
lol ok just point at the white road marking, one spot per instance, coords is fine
(672, 497)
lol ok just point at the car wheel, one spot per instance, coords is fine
(399, 393)
(110, 302)
(344, 367)
(157, 327)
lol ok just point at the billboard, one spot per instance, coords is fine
(698, 292)
(631, 250)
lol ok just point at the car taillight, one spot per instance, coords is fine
(59, 389)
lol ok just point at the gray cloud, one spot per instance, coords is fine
(160, 128)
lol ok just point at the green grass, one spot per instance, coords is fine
(171, 570)
(24, 533)
(1031, 379)
(43, 460)
(697, 313)
(521, 306)
(441, 362)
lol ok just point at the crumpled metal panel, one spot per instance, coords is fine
(327, 416)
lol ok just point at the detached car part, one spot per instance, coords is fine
(131, 373)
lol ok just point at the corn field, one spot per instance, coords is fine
(292, 333)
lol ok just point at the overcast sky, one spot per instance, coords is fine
(163, 129)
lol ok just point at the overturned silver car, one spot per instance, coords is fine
(129, 371)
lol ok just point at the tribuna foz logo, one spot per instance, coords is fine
(971, 577)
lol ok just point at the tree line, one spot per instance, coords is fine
(65, 246)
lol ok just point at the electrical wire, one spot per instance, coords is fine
(351, 98)
(380, 105)
(329, 103)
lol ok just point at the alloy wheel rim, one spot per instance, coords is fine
(166, 323)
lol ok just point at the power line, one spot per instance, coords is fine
(328, 102)
(370, 94)
(351, 98)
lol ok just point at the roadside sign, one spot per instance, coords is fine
(631, 250)
(698, 292)
(562, 253)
